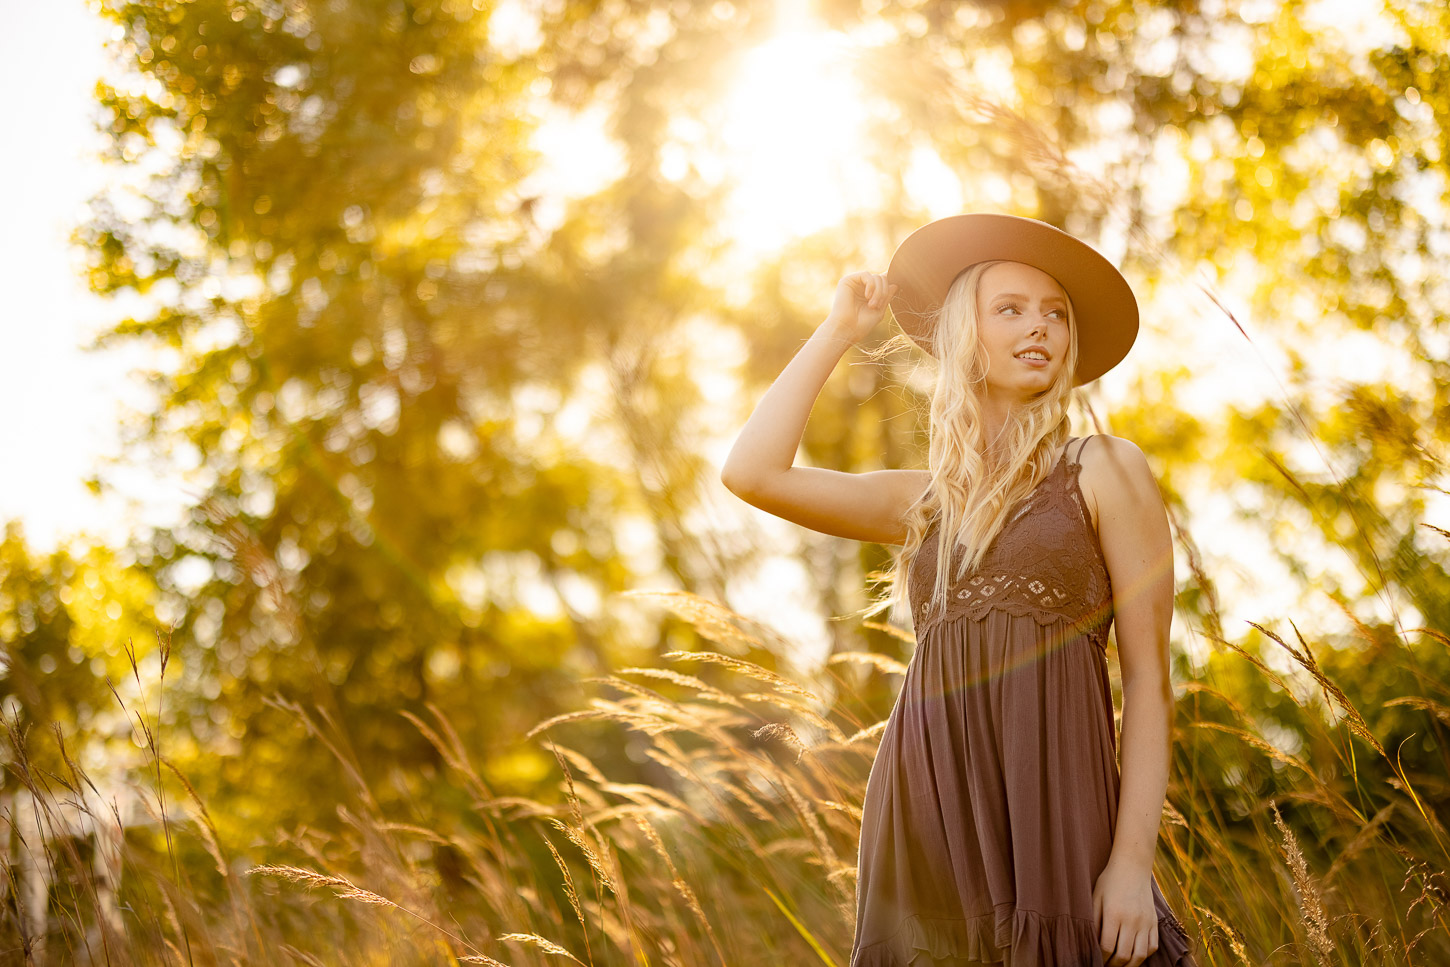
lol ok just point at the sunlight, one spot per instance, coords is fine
(792, 138)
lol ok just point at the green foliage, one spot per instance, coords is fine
(441, 417)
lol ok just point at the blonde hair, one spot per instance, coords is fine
(973, 488)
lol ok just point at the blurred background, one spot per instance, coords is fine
(368, 591)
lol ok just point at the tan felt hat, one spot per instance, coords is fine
(926, 264)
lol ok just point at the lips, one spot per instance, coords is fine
(1042, 353)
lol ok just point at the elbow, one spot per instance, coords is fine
(734, 481)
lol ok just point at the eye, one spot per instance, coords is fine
(1006, 306)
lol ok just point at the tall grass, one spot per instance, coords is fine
(742, 851)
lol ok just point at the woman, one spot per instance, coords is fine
(995, 827)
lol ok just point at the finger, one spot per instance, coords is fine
(1141, 950)
(1108, 941)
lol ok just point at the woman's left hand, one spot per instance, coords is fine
(1127, 920)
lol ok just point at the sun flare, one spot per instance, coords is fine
(794, 135)
(789, 136)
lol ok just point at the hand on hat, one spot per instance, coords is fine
(860, 302)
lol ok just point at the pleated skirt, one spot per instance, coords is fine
(990, 806)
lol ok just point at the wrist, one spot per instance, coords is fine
(836, 330)
(1131, 860)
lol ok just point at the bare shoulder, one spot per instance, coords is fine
(1104, 449)
(1114, 469)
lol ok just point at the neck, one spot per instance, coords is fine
(996, 413)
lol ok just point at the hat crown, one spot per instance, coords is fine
(929, 260)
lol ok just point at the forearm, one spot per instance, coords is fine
(768, 442)
(1145, 753)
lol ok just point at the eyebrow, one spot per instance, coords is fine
(1017, 295)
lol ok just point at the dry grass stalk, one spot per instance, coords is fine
(1235, 943)
(1431, 893)
(1343, 810)
(450, 747)
(853, 811)
(899, 633)
(575, 832)
(547, 946)
(301, 956)
(653, 719)
(580, 762)
(569, 890)
(527, 808)
(1439, 636)
(716, 623)
(673, 760)
(880, 662)
(869, 732)
(1437, 709)
(687, 681)
(779, 730)
(751, 804)
(335, 743)
(549, 723)
(679, 883)
(1265, 670)
(420, 831)
(649, 695)
(1305, 657)
(791, 705)
(345, 889)
(207, 827)
(1271, 751)
(1311, 903)
(747, 668)
(1201, 688)
(1362, 839)
(802, 806)
(341, 886)
(643, 795)
(576, 836)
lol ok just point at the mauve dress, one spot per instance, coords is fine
(990, 806)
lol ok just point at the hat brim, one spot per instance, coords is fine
(931, 257)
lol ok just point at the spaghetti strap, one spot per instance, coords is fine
(1064, 459)
(993, 798)
(1080, 449)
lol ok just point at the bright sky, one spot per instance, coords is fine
(789, 146)
(60, 404)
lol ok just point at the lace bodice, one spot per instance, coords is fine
(1046, 562)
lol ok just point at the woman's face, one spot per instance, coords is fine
(1022, 313)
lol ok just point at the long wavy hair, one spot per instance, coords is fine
(975, 484)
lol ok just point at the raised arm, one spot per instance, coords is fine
(760, 467)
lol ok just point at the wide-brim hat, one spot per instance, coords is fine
(926, 264)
